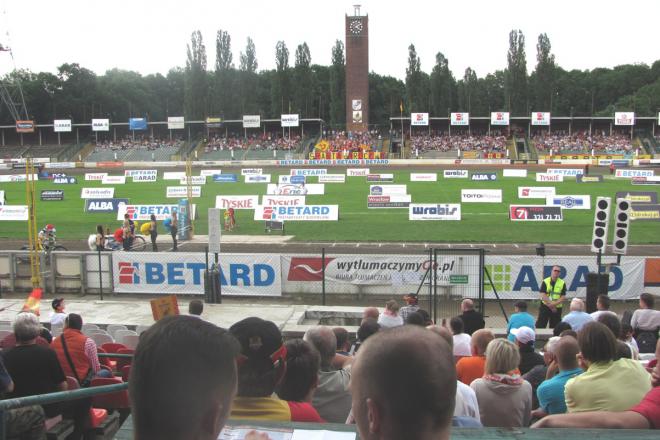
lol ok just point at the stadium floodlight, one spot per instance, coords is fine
(621, 227)
(601, 222)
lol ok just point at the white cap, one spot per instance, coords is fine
(524, 334)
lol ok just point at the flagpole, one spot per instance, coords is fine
(403, 142)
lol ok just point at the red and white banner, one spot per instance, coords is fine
(535, 192)
(423, 177)
(95, 176)
(113, 180)
(545, 177)
(283, 200)
(624, 118)
(541, 118)
(499, 118)
(357, 172)
(419, 119)
(460, 119)
(236, 202)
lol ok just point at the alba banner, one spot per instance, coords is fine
(624, 118)
(540, 118)
(419, 119)
(100, 124)
(460, 119)
(499, 118)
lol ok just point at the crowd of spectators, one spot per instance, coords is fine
(401, 378)
(484, 143)
(582, 142)
(336, 140)
(255, 142)
(139, 143)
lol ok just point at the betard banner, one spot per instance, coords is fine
(520, 277)
(419, 119)
(499, 118)
(624, 118)
(540, 118)
(460, 119)
(183, 273)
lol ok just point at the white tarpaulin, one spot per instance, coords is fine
(14, 212)
(183, 273)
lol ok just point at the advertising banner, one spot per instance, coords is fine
(650, 197)
(174, 175)
(52, 195)
(580, 178)
(506, 172)
(297, 213)
(194, 180)
(535, 192)
(62, 125)
(143, 212)
(629, 174)
(520, 277)
(24, 126)
(544, 177)
(645, 212)
(290, 120)
(2, 197)
(65, 180)
(207, 173)
(456, 174)
(183, 273)
(236, 202)
(651, 180)
(419, 119)
(423, 177)
(176, 122)
(386, 177)
(499, 118)
(389, 201)
(225, 178)
(113, 180)
(431, 211)
(213, 122)
(100, 124)
(332, 178)
(295, 190)
(95, 176)
(308, 171)
(104, 205)
(483, 177)
(357, 172)
(540, 118)
(535, 213)
(624, 118)
(251, 121)
(14, 213)
(97, 193)
(133, 173)
(387, 190)
(258, 178)
(565, 171)
(283, 200)
(297, 180)
(248, 171)
(137, 124)
(60, 165)
(460, 119)
(481, 195)
(181, 192)
(569, 202)
(7, 178)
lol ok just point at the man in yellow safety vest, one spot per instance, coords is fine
(553, 294)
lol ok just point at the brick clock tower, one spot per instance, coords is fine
(357, 71)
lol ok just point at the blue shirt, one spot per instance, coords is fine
(518, 320)
(577, 319)
(551, 392)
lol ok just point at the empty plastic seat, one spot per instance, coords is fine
(130, 341)
(100, 339)
(112, 328)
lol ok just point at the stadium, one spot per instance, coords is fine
(332, 203)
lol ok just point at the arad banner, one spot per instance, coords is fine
(624, 118)
(481, 196)
(181, 192)
(176, 122)
(236, 202)
(434, 211)
(419, 119)
(460, 119)
(535, 213)
(540, 118)
(569, 202)
(308, 213)
(14, 213)
(183, 273)
(133, 173)
(97, 193)
(499, 118)
(144, 212)
(535, 192)
(62, 125)
(520, 277)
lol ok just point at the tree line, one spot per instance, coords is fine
(315, 91)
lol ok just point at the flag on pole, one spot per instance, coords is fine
(33, 301)
(401, 106)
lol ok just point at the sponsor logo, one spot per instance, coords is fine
(194, 180)
(565, 171)
(97, 193)
(483, 176)
(223, 178)
(283, 200)
(250, 171)
(569, 202)
(128, 272)
(535, 213)
(380, 177)
(580, 178)
(645, 180)
(481, 195)
(175, 122)
(514, 173)
(357, 172)
(52, 195)
(14, 212)
(104, 205)
(298, 190)
(544, 177)
(308, 171)
(143, 212)
(258, 178)
(389, 201)
(66, 180)
(297, 213)
(60, 165)
(236, 202)
(251, 121)
(61, 125)
(113, 180)
(145, 178)
(446, 211)
(95, 176)
(207, 173)
(644, 212)
(174, 175)
(628, 174)
(182, 191)
(423, 177)
(289, 120)
(133, 173)
(535, 192)
(100, 125)
(387, 190)
(307, 268)
(455, 174)
(639, 197)
(332, 178)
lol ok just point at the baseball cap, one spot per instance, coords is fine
(410, 297)
(261, 343)
(524, 334)
(56, 302)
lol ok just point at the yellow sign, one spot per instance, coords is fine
(164, 306)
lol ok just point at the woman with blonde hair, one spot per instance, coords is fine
(505, 398)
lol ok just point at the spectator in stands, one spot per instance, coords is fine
(199, 405)
(416, 318)
(529, 358)
(411, 306)
(472, 320)
(77, 353)
(505, 398)
(261, 366)
(538, 373)
(332, 398)
(368, 327)
(33, 368)
(462, 341)
(57, 316)
(562, 326)
(370, 312)
(519, 319)
(472, 367)
(602, 307)
(646, 320)
(302, 372)
(550, 393)
(174, 229)
(606, 384)
(577, 317)
(627, 337)
(390, 316)
(343, 344)
(196, 308)
(466, 400)
(391, 403)
(26, 422)
(645, 415)
(9, 341)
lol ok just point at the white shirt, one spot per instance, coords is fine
(466, 402)
(387, 321)
(57, 318)
(645, 319)
(462, 345)
(596, 314)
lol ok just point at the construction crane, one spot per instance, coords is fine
(11, 91)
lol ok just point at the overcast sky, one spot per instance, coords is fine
(150, 36)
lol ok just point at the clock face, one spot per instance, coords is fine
(355, 26)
